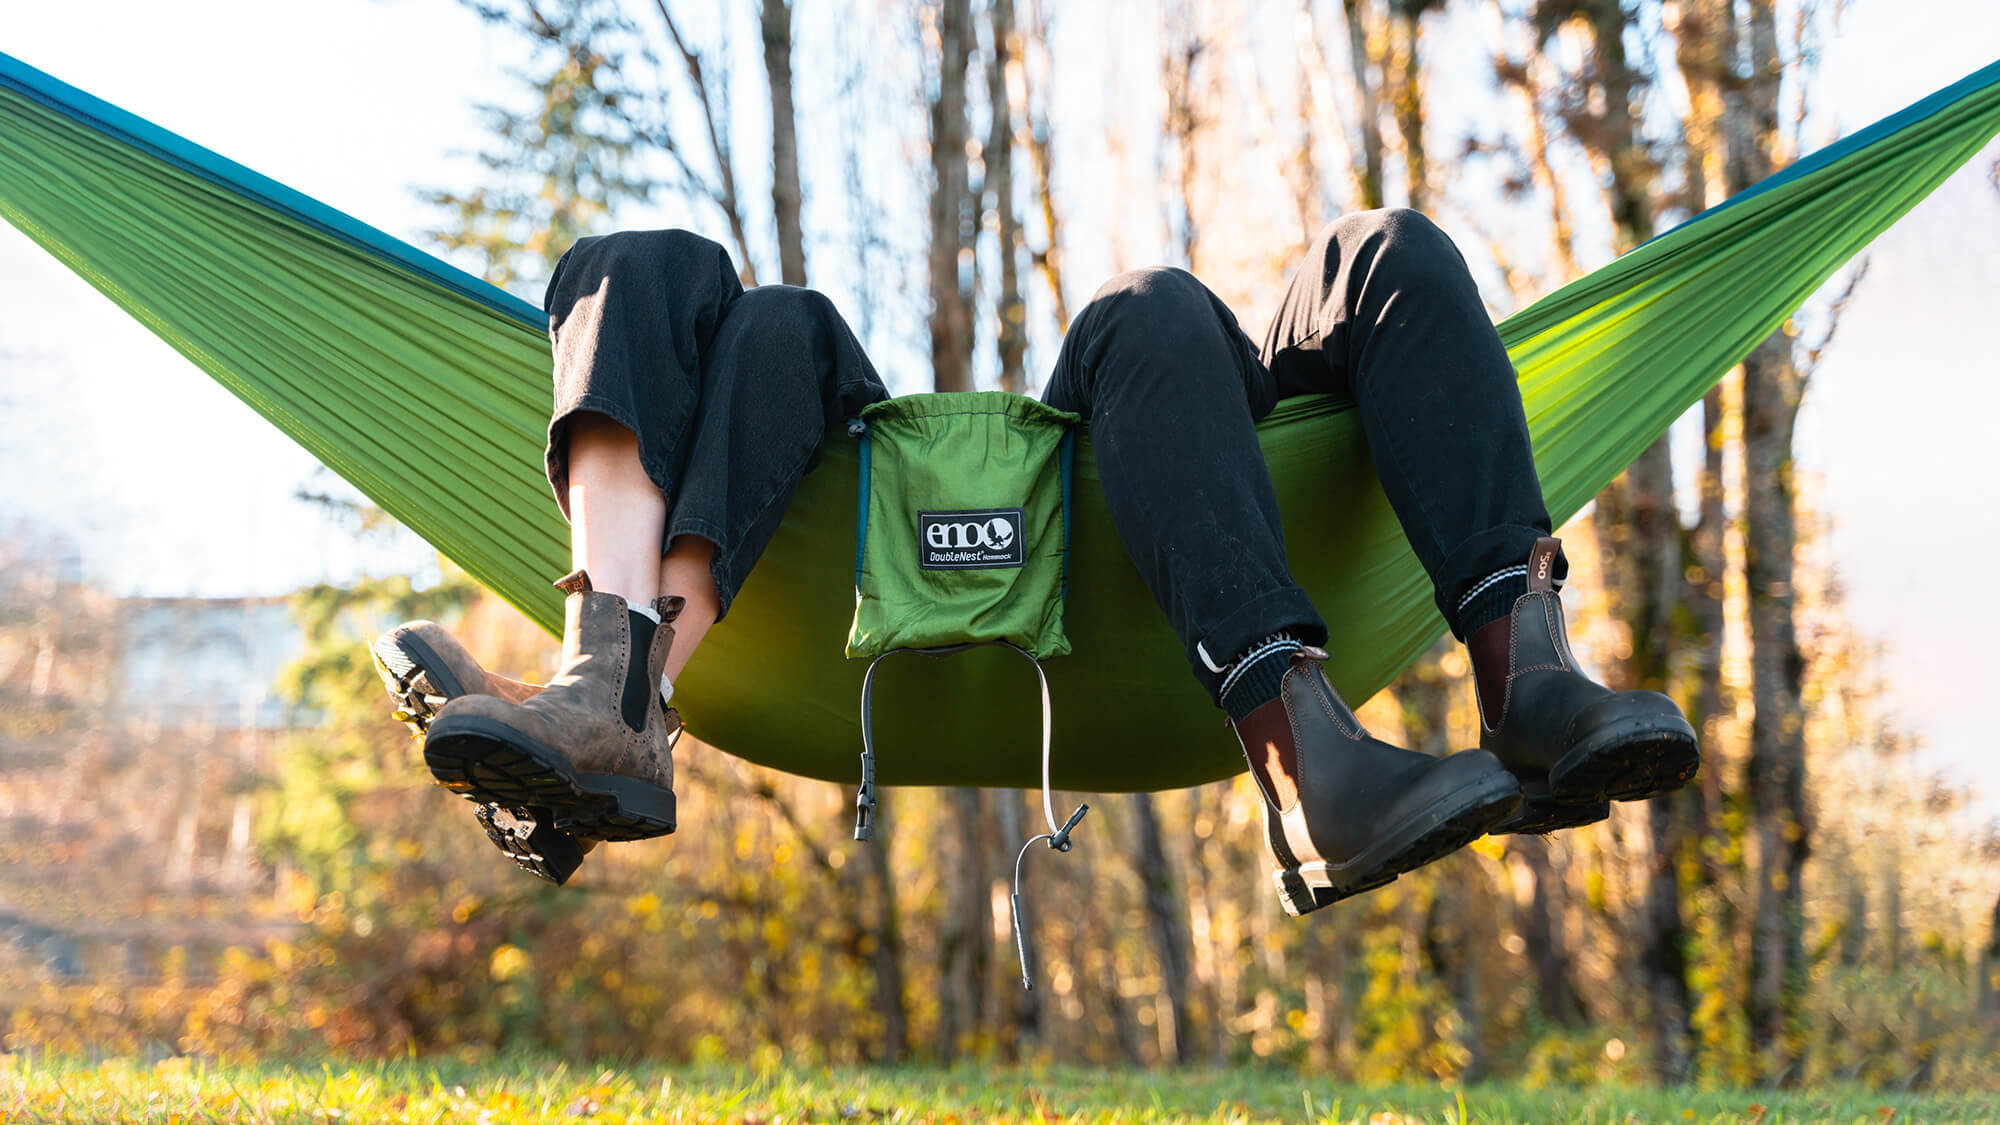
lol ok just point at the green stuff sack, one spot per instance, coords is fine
(962, 530)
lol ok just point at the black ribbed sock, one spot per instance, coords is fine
(1257, 678)
(1490, 600)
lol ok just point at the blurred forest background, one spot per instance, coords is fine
(237, 871)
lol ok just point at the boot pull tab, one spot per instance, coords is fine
(575, 582)
(1542, 564)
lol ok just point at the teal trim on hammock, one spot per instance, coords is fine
(1067, 460)
(225, 173)
(399, 374)
(861, 509)
(1896, 122)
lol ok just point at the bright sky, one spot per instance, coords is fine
(168, 486)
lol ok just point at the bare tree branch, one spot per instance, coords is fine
(718, 142)
(1810, 363)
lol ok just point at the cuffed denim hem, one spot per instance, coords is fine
(726, 580)
(1494, 549)
(555, 455)
(1282, 610)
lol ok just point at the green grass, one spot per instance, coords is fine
(514, 1091)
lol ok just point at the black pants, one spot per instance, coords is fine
(731, 393)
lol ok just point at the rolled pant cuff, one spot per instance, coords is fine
(1283, 610)
(1496, 548)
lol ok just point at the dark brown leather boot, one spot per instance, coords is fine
(1345, 812)
(1575, 744)
(593, 745)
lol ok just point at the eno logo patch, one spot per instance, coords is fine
(986, 539)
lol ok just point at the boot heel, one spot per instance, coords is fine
(530, 838)
(1541, 814)
(1298, 897)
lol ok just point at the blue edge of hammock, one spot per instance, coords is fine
(141, 134)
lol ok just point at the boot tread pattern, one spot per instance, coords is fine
(525, 834)
(485, 769)
(1450, 834)
(1633, 768)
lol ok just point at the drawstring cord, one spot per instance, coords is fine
(1058, 837)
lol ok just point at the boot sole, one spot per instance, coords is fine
(1447, 825)
(533, 842)
(1628, 759)
(1542, 814)
(400, 664)
(543, 850)
(486, 761)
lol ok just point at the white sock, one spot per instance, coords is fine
(645, 611)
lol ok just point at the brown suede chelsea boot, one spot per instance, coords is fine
(1345, 812)
(1575, 744)
(423, 667)
(593, 745)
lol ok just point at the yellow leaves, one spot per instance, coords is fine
(510, 961)
(643, 906)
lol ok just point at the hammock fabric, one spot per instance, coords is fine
(416, 381)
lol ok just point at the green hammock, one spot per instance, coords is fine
(418, 382)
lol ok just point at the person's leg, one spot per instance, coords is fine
(617, 514)
(684, 574)
(782, 372)
(1171, 390)
(1383, 311)
(685, 412)
(691, 408)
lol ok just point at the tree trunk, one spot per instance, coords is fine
(1639, 533)
(1166, 926)
(1409, 102)
(1024, 1013)
(1048, 260)
(1011, 335)
(1774, 777)
(951, 313)
(1368, 177)
(787, 198)
(885, 952)
(1989, 978)
(1774, 774)
(1892, 909)
(965, 933)
(1183, 53)
(1555, 995)
(1645, 563)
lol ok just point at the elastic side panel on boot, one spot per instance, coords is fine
(640, 690)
